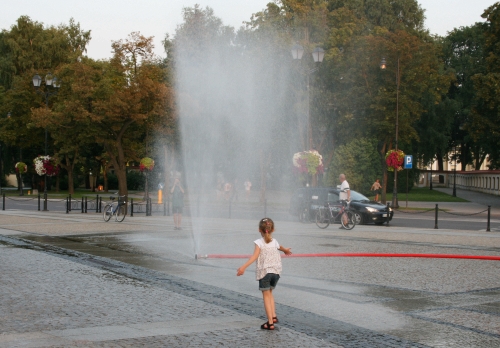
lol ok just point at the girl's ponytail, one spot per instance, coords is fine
(266, 227)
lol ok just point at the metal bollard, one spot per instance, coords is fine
(489, 216)
(100, 204)
(70, 202)
(82, 206)
(131, 207)
(436, 218)
(45, 202)
(85, 205)
(165, 208)
(3, 202)
(97, 203)
(67, 206)
(147, 207)
(388, 213)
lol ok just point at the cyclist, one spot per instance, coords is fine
(345, 192)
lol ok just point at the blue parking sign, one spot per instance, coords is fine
(408, 162)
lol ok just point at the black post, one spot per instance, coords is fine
(38, 202)
(82, 206)
(150, 205)
(45, 201)
(85, 204)
(436, 218)
(100, 204)
(430, 185)
(489, 216)
(388, 212)
(70, 202)
(165, 207)
(131, 207)
(3, 202)
(67, 210)
(454, 181)
(97, 204)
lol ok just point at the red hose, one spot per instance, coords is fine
(430, 256)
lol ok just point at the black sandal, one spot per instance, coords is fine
(267, 326)
(275, 320)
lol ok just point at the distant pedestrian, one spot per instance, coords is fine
(267, 269)
(177, 203)
(248, 187)
(377, 188)
(344, 195)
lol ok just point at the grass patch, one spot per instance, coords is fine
(422, 194)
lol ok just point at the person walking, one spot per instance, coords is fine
(248, 187)
(345, 191)
(177, 203)
(377, 188)
(268, 268)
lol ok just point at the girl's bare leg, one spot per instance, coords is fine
(273, 307)
(268, 304)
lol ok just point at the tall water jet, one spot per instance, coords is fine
(232, 106)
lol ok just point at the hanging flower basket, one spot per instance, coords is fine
(147, 164)
(21, 168)
(308, 162)
(46, 165)
(394, 160)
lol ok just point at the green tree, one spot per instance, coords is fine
(483, 125)
(464, 53)
(28, 48)
(359, 161)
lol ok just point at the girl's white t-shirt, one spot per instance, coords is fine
(269, 260)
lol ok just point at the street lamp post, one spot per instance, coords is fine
(318, 54)
(455, 174)
(51, 82)
(383, 66)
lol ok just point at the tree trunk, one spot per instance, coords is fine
(18, 177)
(383, 196)
(166, 168)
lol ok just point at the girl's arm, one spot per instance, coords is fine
(251, 260)
(287, 251)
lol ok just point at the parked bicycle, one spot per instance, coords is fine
(325, 216)
(118, 209)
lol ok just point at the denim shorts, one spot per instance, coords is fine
(269, 281)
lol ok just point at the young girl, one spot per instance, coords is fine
(268, 268)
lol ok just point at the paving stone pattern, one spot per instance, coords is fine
(43, 293)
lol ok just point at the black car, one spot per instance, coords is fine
(306, 201)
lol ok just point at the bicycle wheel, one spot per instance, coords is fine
(322, 218)
(348, 220)
(120, 213)
(107, 212)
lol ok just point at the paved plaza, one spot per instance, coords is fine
(72, 280)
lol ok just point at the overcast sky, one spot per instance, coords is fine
(114, 19)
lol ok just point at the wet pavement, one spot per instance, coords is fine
(75, 281)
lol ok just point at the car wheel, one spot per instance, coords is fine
(358, 218)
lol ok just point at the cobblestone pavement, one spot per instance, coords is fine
(74, 281)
